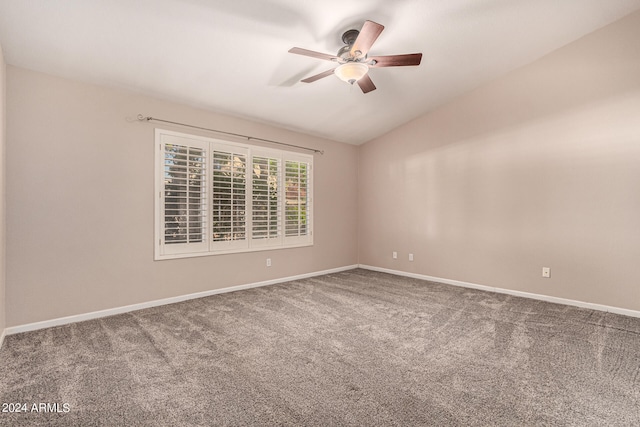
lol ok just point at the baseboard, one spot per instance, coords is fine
(2, 334)
(125, 309)
(592, 306)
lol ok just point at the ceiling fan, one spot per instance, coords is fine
(353, 59)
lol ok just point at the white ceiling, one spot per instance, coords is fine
(231, 55)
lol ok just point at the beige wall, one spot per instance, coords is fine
(2, 195)
(80, 180)
(539, 168)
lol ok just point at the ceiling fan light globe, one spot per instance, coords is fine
(351, 72)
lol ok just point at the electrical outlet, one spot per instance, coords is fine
(395, 255)
(268, 262)
(546, 272)
(410, 257)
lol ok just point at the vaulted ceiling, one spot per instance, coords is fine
(231, 56)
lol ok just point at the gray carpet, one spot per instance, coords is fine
(352, 348)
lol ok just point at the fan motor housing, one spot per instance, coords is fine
(349, 37)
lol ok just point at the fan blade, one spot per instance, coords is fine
(313, 54)
(395, 60)
(318, 76)
(366, 84)
(368, 35)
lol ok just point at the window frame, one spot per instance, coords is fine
(210, 247)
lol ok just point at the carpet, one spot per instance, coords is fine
(356, 348)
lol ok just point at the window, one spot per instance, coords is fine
(216, 197)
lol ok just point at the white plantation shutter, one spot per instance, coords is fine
(229, 200)
(297, 200)
(183, 196)
(265, 206)
(219, 197)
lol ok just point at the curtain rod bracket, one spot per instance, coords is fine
(249, 138)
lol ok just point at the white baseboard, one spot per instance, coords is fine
(599, 307)
(2, 334)
(125, 309)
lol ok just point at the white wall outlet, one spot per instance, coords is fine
(546, 272)
(395, 255)
(268, 262)
(410, 257)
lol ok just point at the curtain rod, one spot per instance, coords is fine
(249, 138)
